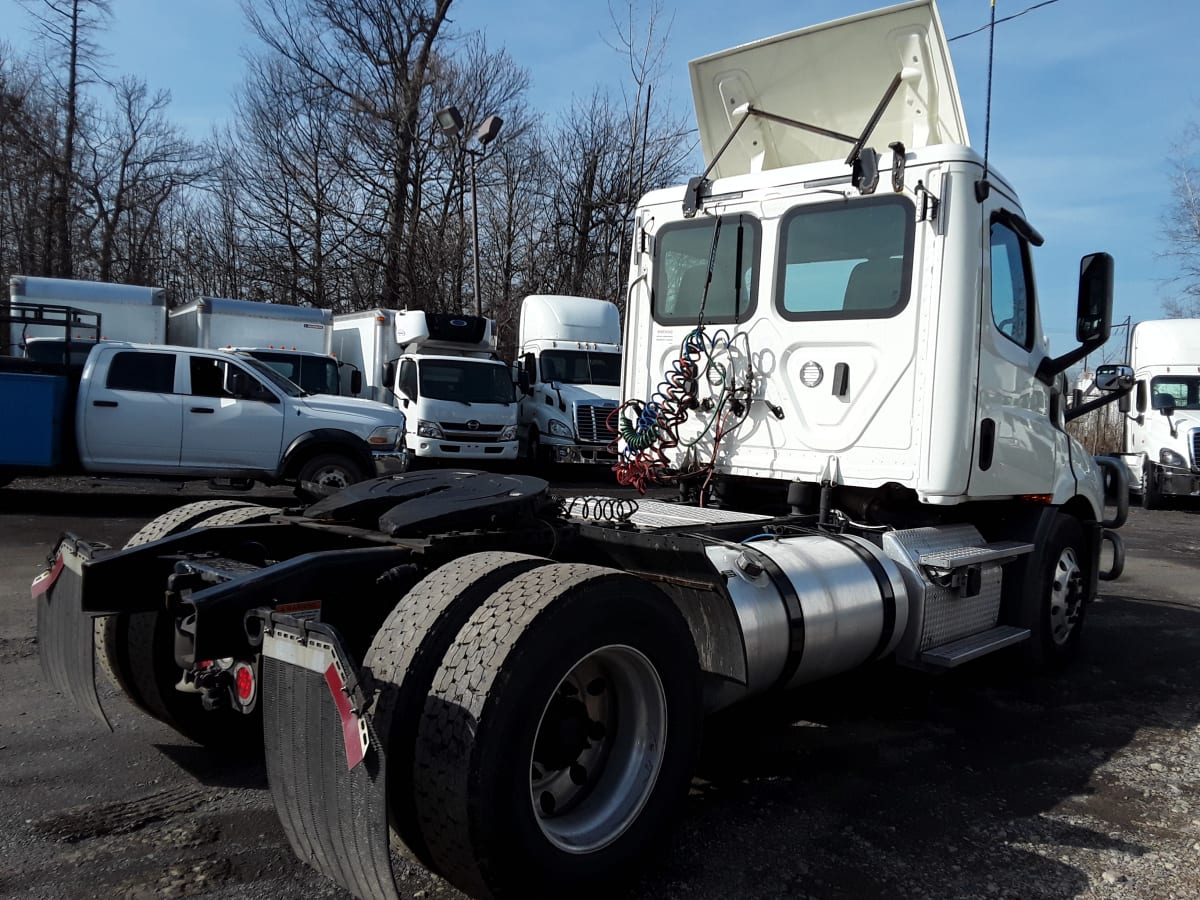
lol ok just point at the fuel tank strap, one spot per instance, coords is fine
(887, 592)
(795, 613)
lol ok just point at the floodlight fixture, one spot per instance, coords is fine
(450, 120)
(487, 131)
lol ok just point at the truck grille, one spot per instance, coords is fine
(592, 424)
(1196, 448)
(480, 434)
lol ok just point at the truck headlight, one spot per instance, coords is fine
(561, 429)
(385, 436)
(509, 433)
(430, 430)
(1171, 458)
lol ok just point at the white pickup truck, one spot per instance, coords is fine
(178, 412)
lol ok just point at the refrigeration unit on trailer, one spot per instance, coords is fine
(129, 313)
(442, 371)
(833, 352)
(570, 376)
(1161, 433)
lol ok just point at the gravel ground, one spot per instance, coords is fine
(887, 783)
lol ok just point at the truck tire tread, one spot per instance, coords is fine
(476, 678)
(405, 656)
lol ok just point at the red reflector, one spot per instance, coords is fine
(245, 683)
(46, 580)
(350, 734)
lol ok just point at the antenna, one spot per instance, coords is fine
(982, 187)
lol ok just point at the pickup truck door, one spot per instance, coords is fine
(231, 420)
(130, 415)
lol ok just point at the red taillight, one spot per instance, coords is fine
(245, 684)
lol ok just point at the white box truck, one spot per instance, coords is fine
(1161, 434)
(442, 371)
(569, 371)
(127, 313)
(294, 340)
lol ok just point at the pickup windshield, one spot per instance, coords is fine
(1180, 391)
(581, 367)
(466, 380)
(261, 368)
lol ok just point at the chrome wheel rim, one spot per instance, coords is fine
(598, 749)
(332, 477)
(1066, 595)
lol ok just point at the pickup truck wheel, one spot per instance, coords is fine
(1151, 493)
(137, 649)
(406, 654)
(1061, 595)
(327, 473)
(558, 738)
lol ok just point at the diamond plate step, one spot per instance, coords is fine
(960, 557)
(955, 653)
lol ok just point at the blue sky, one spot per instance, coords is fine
(1088, 97)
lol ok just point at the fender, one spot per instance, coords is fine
(325, 439)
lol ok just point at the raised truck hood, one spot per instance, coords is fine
(832, 76)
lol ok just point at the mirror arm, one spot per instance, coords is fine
(1085, 408)
(1051, 366)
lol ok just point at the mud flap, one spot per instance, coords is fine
(65, 634)
(325, 764)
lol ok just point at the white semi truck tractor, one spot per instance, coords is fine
(833, 349)
(1161, 432)
(569, 371)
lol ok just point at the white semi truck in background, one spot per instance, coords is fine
(1161, 433)
(834, 352)
(294, 340)
(569, 371)
(443, 372)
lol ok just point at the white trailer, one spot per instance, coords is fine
(127, 313)
(570, 378)
(442, 371)
(1161, 435)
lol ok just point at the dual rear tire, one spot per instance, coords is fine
(541, 724)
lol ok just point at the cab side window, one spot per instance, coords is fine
(136, 371)
(208, 377)
(408, 378)
(1012, 286)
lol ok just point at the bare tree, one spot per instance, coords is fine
(67, 27)
(1181, 225)
(375, 55)
(133, 163)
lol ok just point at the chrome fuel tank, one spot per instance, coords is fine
(811, 606)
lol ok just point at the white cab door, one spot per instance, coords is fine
(222, 429)
(131, 417)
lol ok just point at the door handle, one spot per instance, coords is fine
(104, 403)
(202, 409)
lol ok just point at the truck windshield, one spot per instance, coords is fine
(581, 367)
(261, 368)
(316, 374)
(1180, 391)
(466, 380)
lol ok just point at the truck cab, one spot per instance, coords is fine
(443, 372)
(569, 371)
(1161, 434)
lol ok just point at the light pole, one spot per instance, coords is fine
(450, 120)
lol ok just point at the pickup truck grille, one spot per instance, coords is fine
(480, 434)
(1196, 448)
(592, 424)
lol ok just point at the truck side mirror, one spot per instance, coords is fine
(1093, 315)
(1141, 396)
(523, 382)
(356, 382)
(529, 367)
(1093, 311)
(1113, 377)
